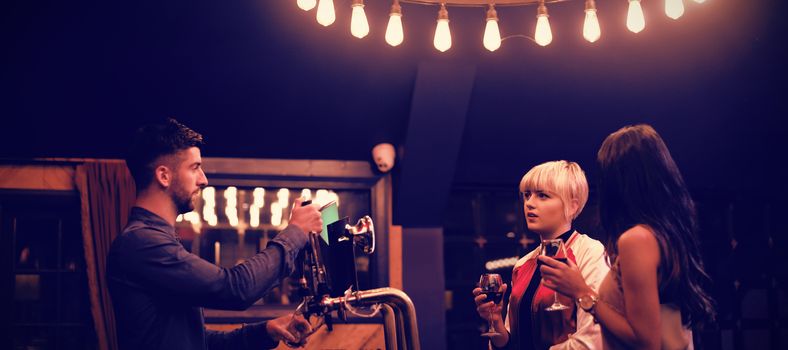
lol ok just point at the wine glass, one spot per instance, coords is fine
(554, 248)
(490, 284)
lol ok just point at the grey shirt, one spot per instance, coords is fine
(158, 288)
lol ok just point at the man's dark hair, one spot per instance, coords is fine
(153, 141)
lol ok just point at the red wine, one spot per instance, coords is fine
(494, 296)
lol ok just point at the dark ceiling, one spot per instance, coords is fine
(262, 79)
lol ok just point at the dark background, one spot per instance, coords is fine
(262, 79)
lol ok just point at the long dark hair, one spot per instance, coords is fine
(640, 184)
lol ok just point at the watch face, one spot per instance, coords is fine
(586, 302)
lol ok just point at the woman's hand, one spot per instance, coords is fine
(563, 278)
(491, 312)
(488, 310)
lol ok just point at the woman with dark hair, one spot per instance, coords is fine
(653, 295)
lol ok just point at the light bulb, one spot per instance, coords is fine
(394, 35)
(492, 34)
(325, 12)
(591, 29)
(307, 5)
(543, 36)
(321, 197)
(635, 20)
(442, 39)
(283, 196)
(306, 194)
(674, 8)
(359, 26)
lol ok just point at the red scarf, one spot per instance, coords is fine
(548, 327)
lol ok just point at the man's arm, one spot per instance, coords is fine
(248, 337)
(160, 263)
(264, 335)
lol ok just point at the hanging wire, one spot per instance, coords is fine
(521, 36)
(481, 3)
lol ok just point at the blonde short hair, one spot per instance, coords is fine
(566, 179)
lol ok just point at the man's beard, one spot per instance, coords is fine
(182, 199)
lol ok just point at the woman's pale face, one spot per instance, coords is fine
(544, 212)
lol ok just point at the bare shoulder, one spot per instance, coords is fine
(639, 241)
(639, 236)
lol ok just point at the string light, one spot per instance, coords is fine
(283, 196)
(209, 207)
(359, 27)
(306, 194)
(276, 214)
(258, 201)
(674, 8)
(325, 13)
(322, 197)
(442, 39)
(278, 208)
(543, 35)
(394, 34)
(492, 34)
(231, 205)
(635, 20)
(194, 218)
(306, 5)
(591, 31)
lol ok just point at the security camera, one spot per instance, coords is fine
(384, 154)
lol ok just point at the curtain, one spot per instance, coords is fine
(107, 194)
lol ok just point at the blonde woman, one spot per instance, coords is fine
(553, 194)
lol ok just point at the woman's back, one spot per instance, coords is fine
(674, 335)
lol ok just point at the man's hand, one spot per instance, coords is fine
(293, 329)
(307, 218)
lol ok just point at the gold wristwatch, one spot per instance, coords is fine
(587, 302)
